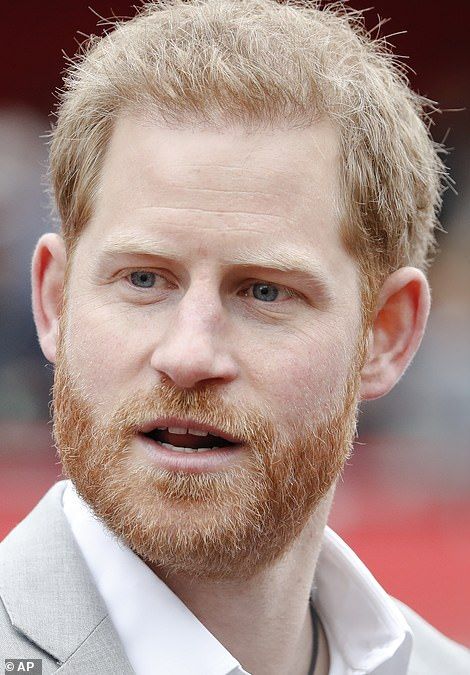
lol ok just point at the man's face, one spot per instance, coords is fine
(211, 292)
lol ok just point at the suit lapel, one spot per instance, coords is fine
(50, 596)
(100, 653)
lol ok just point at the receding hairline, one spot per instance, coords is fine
(229, 127)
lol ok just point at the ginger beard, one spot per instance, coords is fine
(220, 525)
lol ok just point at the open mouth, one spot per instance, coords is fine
(190, 440)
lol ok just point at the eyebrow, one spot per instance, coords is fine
(291, 261)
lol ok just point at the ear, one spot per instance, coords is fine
(402, 312)
(48, 275)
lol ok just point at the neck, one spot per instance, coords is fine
(265, 622)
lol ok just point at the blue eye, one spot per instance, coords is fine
(143, 279)
(265, 292)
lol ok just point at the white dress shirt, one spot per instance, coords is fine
(366, 632)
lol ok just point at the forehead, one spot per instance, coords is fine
(272, 157)
(230, 187)
(276, 167)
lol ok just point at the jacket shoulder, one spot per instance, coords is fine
(14, 568)
(433, 653)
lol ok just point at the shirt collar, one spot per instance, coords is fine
(365, 628)
(366, 631)
(170, 636)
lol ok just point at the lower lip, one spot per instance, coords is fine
(195, 462)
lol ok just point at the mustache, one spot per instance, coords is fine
(203, 406)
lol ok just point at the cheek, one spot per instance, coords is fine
(308, 378)
(104, 351)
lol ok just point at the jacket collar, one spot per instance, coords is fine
(49, 595)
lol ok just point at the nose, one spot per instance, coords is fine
(194, 348)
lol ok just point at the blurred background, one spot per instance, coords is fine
(404, 504)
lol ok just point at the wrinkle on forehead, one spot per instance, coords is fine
(273, 162)
(185, 182)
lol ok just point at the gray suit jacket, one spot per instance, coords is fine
(51, 609)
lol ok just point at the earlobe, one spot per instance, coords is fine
(402, 312)
(48, 275)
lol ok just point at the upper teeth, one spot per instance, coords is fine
(182, 430)
(180, 449)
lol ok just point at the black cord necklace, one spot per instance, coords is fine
(313, 662)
